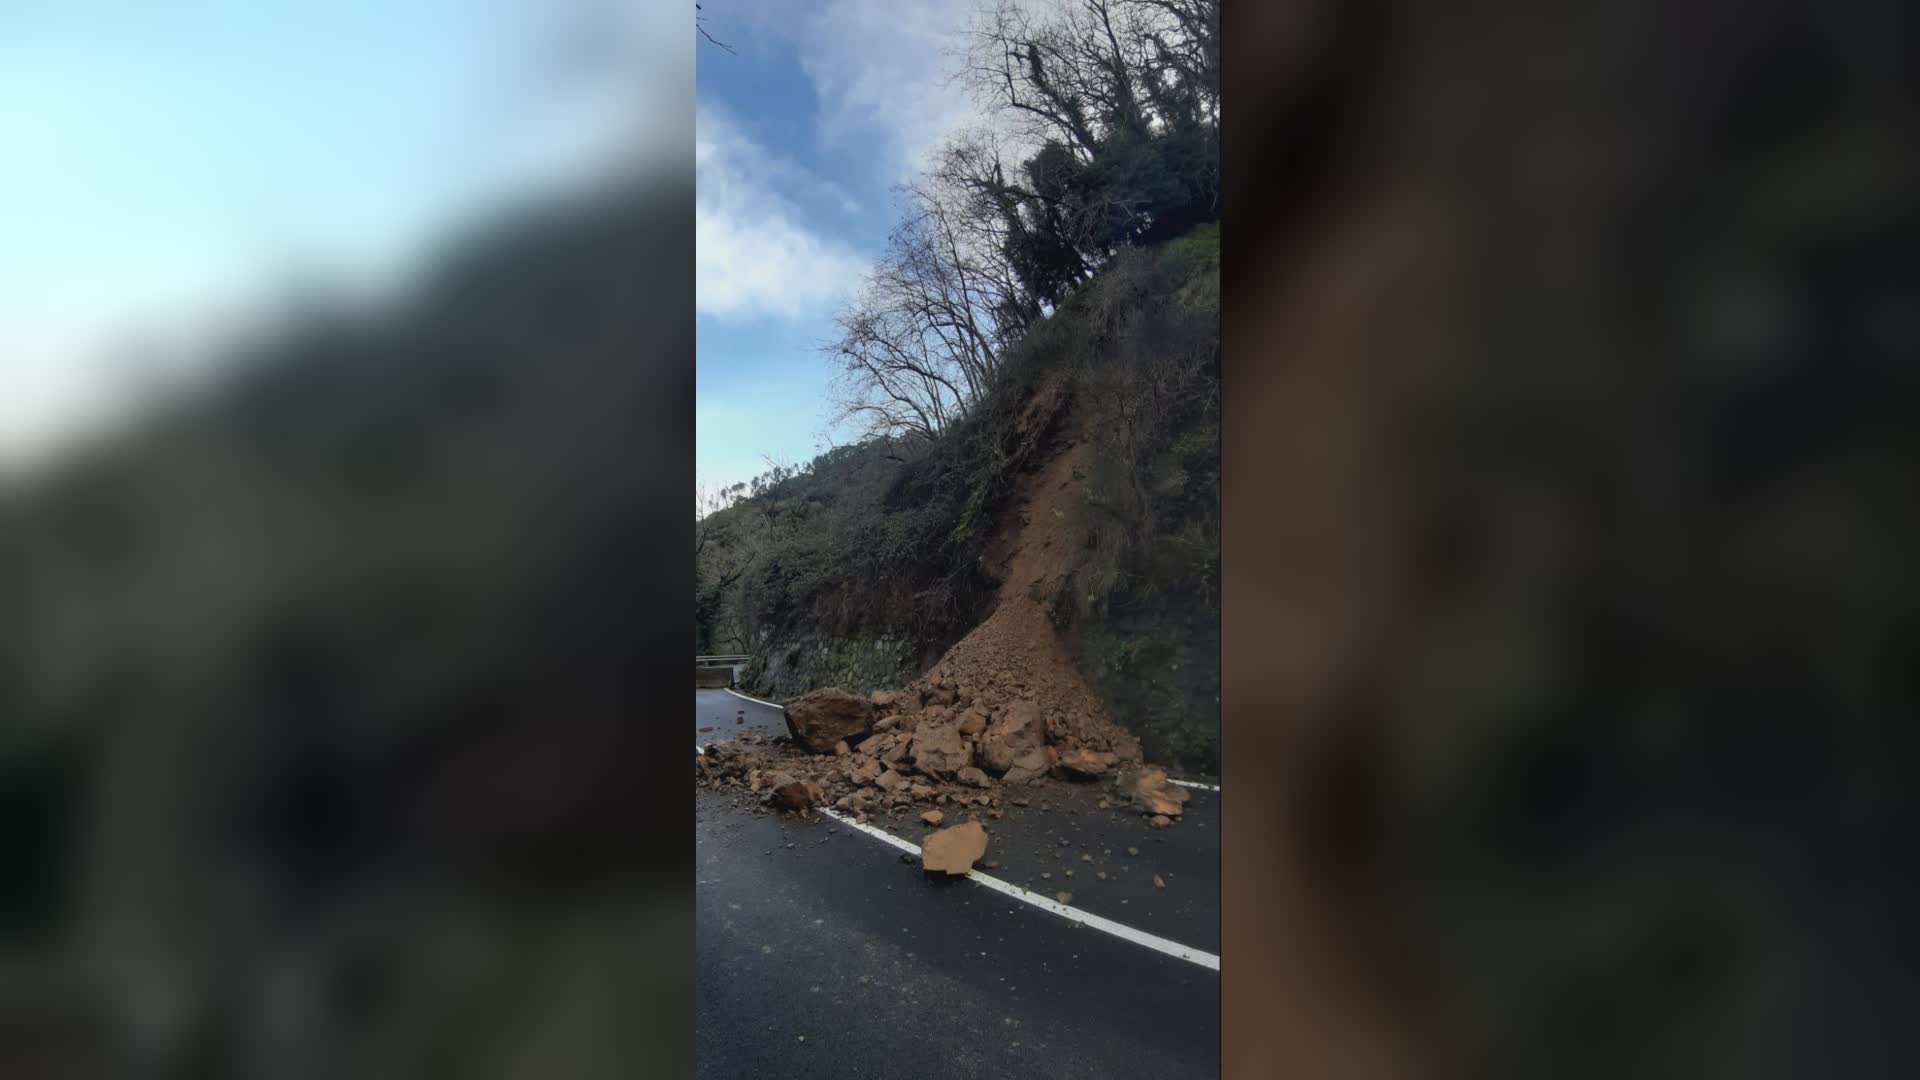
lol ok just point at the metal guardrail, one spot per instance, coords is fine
(730, 664)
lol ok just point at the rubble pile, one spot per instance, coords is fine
(1005, 707)
(929, 759)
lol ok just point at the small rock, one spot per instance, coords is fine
(1133, 851)
(1160, 821)
(1158, 883)
(932, 817)
(840, 749)
(1064, 897)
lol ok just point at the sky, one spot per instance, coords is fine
(802, 133)
(168, 169)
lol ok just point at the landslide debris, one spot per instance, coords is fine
(1005, 707)
(820, 718)
(953, 850)
(1152, 792)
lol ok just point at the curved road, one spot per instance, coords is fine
(822, 954)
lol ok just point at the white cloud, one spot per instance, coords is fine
(754, 254)
(886, 67)
(881, 68)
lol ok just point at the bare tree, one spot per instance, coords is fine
(985, 249)
(700, 24)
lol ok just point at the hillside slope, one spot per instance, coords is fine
(1061, 542)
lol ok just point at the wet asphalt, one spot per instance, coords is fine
(820, 953)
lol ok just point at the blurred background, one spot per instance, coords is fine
(1568, 603)
(1569, 533)
(345, 440)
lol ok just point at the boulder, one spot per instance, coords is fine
(890, 781)
(1087, 764)
(896, 754)
(973, 721)
(1150, 790)
(938, 749)
(884, 699)
(784, 791)
(953, 850)
(975, 777)
(1016, 732)
(1027, 767)
(820, 718)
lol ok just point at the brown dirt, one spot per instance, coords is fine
(1014, 653)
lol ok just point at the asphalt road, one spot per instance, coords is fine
(822, 954)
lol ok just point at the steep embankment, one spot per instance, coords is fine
(1058, 545)
(1015, 653)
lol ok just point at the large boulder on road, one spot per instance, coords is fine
(820, 718)
(953, 850)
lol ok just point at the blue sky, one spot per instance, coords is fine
(801, 134)
(171, 169)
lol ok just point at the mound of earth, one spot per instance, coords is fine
(1014, 660)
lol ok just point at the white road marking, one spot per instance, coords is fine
(1084, 918)
(755, 700)
(1045, 903)
(1194, 784)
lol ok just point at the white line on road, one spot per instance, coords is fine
(755, 700)
(1084, 918)
(1194, 783)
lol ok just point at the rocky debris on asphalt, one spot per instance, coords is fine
(1015, 734)
(939, 749)
(953, 850)
(1087, 764)
(1152, 792)
(820, 718)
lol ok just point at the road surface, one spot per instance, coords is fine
(822, 954)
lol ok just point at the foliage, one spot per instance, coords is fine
(1105, 136)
